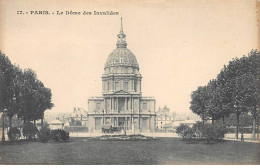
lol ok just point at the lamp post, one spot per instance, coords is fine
(3, 126)
(237, 124)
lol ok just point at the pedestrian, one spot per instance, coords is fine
(242, 137)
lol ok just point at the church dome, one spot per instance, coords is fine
(122, 57)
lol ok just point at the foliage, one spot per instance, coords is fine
(59, 135)
(29, 130)
(245, 120)
(14, 134)
(202, 131)
(198, 102)
(44, 134)
(236, 90)
(185, 131)
(219, 131)
(21, 93)
(214, 131)
(197, 129)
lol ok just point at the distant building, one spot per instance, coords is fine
(164, 119)
(78, 117)
(56, 124)
(186, 122)
(122, 104)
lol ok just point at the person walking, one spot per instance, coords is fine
(242, 137)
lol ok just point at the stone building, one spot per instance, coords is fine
(164, 119)
(122, 103)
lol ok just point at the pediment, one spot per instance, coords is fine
(122, 92)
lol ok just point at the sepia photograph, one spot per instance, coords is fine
(152, 82)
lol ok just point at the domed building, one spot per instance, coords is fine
(122, 105)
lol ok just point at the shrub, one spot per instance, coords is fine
(189, 134)
(197, 129)
(214, 131)
(14, 134)
(207, 131)
(44, 134)
(185, 131)
(29, 130)
(59, 135)
(219, 131)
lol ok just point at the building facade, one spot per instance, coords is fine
(164, 119)
(122, 103)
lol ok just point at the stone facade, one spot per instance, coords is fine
(164, 119)
(122, 103)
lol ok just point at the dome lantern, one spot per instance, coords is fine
(121, 43)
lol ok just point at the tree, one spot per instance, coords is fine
(14, 102)
(225, 93)
(252, 87)
(6, 88)
(182, 130)
(214, 106)
(21, 94)
(235, 90)
(199, 102)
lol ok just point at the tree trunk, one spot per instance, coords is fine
(10, 122)
(3, 128)
(257, 126)
(42, 123)
(223, 119)
(212, 121)
(237, 125)
(34, 122)
(254, 124)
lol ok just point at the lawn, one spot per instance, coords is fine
(162, 151)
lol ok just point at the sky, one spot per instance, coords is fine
(179, 45)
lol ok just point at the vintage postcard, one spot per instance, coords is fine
(87, 82)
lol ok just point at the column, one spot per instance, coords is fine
(110, 104)
(138, 105)
(104, 108)
(117, 105)
(140, 123)
(125, 103)
(113, 85)
(113, 104)
(125, 124)
(149, 123)
(132, 84)
(140, 85)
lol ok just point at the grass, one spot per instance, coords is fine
(162, 151)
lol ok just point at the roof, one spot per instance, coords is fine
(56, 122)
(188, 122)
(122, 57)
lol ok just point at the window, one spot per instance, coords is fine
(135, 83)
(144, 106)
(117, 86)
(107, 86)
(98, 106)
(126, 86)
